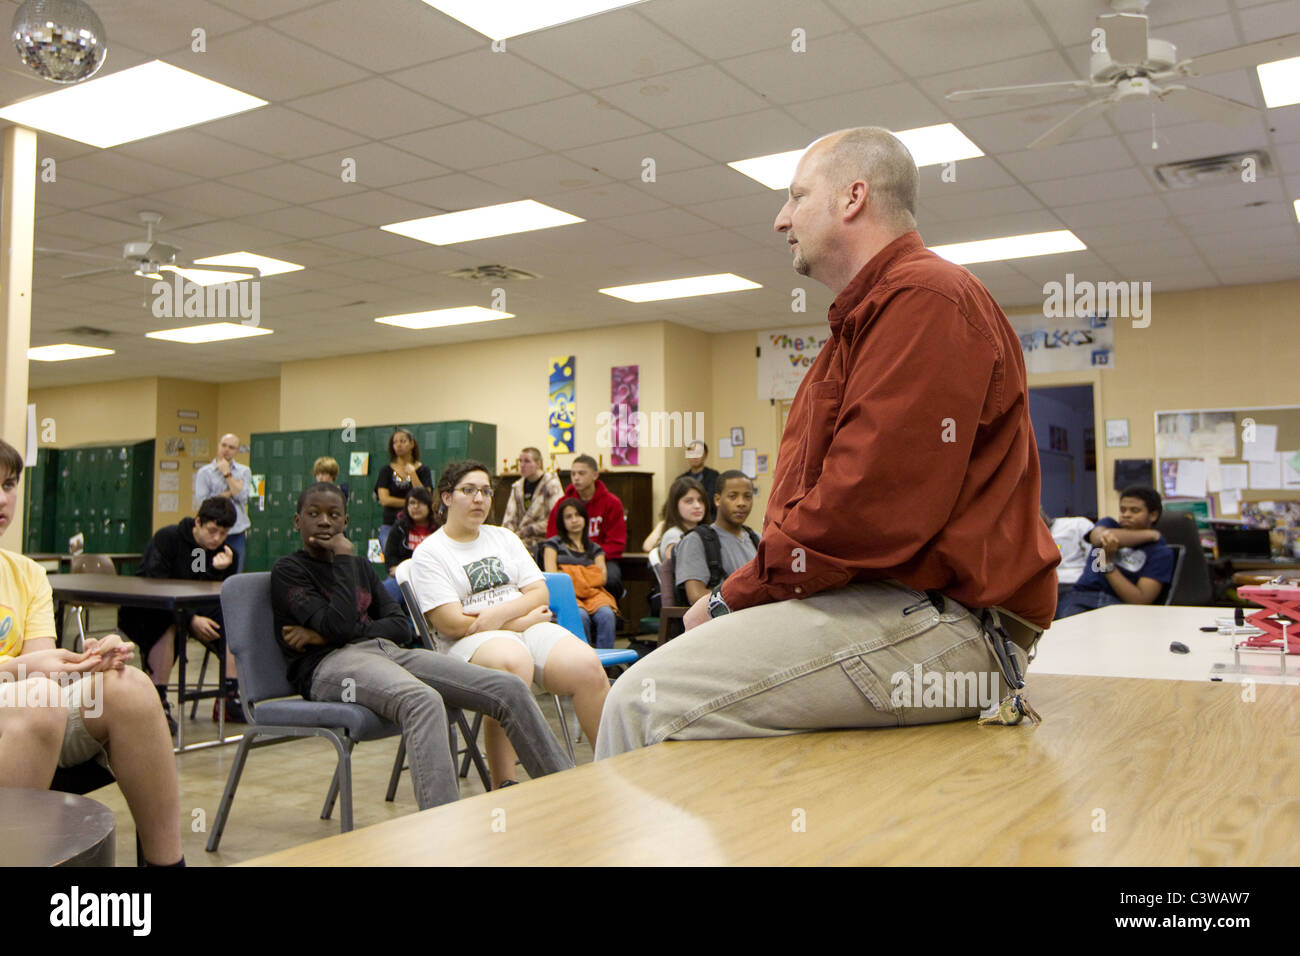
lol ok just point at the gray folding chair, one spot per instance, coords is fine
(275, 711)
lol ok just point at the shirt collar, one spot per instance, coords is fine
(871, 273)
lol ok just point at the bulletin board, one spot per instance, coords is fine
(1201, 435)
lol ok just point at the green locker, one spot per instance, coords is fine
(40, 501)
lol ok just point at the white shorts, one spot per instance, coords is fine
(539, 639)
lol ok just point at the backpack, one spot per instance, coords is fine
(712, 554)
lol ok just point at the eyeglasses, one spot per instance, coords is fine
(472, 491)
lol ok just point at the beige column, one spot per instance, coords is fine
(17, 232)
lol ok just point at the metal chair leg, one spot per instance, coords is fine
(564, 728)
(228, 796)
(397, 770)
(203, 673)
(472, 752)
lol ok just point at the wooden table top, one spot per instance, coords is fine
(1182, 773)
(166, 593)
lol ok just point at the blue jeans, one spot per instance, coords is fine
(1077, 601)
(604, 623)
(237, 542)
(383, 536)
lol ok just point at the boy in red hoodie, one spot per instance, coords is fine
(606, 524)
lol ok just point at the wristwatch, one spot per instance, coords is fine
(717, 606)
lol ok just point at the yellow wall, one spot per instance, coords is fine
(736, 403)
(101, 414)
(1227, 347)
(176, 394)
(247, 407)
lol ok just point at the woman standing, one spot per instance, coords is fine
(575, 554)
(487, 603)
(396, 479)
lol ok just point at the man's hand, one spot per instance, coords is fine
(114, 652)
(699, 612)
(300, 638)
(223, 559)
(223, 466)
(205, 629)
(1109, 543)
(57, 661)
(336, 544)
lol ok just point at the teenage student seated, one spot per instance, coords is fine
(195, 549)
(59, 708)
(414, 524)
(687, 505)
(340, 634)
(575, 554)
(1129, 561)
(485, 598)
(709, 553)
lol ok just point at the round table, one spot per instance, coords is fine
(49, 828)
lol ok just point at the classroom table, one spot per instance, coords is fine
(64, 560)
(49, 828)
(1184, 773)
(166, 594)
(1132, 640)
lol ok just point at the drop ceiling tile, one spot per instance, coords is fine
(283, 133)
(687, 96)
(156, 28)
(693, 186)
(987, 227)
(1270, 20)
(743, 137)
(1072, 159)
(481, 81)
(300, 221)
(1228, 196)
(599, 51)
(86, 226)
(836, 64)
(971, 34)
(625, 158)
(123, 173)
(895, 106)
(1237, 220)
(662, 224)
(454, 192)
(1284, 124)
(728, 28)
(372, 207)
(219, 200)
(1047, 66)
(264, 9)
(375, 166)
(372, 242)
(1015, 130)
(542, 175)
(266, 63)
(68, 193)
(466, 145)
(198, 154)
(291, 183)
(569, 122)
(1112, 211)
(968, 175)
(380, 35)
(1113, 184)
(743, 210)
(376, 109)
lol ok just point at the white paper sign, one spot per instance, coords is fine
(749, 461)
(1190, 482)
(784, 357)
(1290, 474)
(1266, 475)
(30, 458)
(1230, 502)
(724, 448)
(1213, 475)
(168, 502)
(169, 481)
(1264, 447)
(1235, 477)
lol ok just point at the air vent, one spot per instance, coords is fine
(491, 273)
(86, 332)
(1210, 170)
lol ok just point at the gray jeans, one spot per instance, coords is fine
(413, 687)
(867, 655)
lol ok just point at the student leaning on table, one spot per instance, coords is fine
(903, 515)
(59, 708)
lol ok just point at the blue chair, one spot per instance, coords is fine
(275, 711)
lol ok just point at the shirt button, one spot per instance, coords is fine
(798, 590)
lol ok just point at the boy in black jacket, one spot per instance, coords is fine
(340, 631)
(193, 550)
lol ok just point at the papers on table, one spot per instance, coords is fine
(1264, 447)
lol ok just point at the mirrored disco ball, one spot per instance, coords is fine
(62, 40)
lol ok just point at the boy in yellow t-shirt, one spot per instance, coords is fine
(59, 708)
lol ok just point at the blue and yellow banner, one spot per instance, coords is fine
(561, 405)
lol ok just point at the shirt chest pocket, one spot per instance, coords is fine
(823, 409)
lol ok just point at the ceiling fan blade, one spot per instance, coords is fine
(1080, 118)
(1063, 88)
(92, 272)
(1126, 37)
(75, 255)
(251, 271)
(1239, 57)
(1208, 106)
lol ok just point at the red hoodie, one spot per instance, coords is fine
(606, 523)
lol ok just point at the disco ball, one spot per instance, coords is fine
(62, 40)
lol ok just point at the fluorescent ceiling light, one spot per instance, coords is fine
(504, 219)
(681, 288)
(1010, 247)
(267, 265)
(133, 104)
(499, 19)
(438, 318)
(216, 332)
(1297, 210)
(1280, 81)
(929, 145)
(64, 352)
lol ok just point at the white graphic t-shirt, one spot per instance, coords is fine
(490, 570)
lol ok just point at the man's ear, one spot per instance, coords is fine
(857, 199)
(297, 526)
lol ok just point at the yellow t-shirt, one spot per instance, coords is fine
(26, 603)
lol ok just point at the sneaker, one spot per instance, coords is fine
(171, 721)
(234, 709)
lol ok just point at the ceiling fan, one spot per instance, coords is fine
(147, 257)
(1128, 63)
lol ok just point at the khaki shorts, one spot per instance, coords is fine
(78, 743)
(539, 640)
